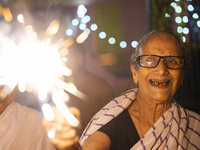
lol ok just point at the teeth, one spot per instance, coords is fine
(156, 83)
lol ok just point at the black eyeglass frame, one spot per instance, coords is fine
(164, 60)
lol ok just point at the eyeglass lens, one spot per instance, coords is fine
(151, 61)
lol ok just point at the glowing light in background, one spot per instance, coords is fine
(20, 18)
(7, 14)
(85, 19)
(69, 32)
(53, 28)
(184, 39)
(111, 40)
(178, 19)
(167, 15)
(82, 26)
(134, 44)
(123, 44)
(178, 9)
(82, 37)
(93, 27)
(87, 31)
(28, 29)
(198, 23)
(75, 22)
(102, 35)
(195, 16)
(185, 19)
(190, 7)
(179, 29)
(174, 5)
(185, 30)
(81, 11)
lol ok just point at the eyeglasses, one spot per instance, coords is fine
(152, 61)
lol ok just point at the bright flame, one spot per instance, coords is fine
(63, 109)
(48, 112)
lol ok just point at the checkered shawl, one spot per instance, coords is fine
(176, 129)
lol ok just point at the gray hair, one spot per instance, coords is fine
(142, 43)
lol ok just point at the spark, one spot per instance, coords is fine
(38, 66)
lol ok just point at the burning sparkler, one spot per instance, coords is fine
(38, 67)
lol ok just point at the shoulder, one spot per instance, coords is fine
(193, 115)
(30, 115)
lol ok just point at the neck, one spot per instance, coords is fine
(150, 111)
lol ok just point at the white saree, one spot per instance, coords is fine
(21, 129)
(176, 129)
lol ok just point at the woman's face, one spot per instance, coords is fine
(159, 84)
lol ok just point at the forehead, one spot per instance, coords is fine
(162, 45)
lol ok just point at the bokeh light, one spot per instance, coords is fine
(75, 22)
(87, 31)
(102, 35)
(178, 9)
(179, 29)
(195, 16)
(185, 30)
(20, 18)
(123, 44)
(93, 27)
(82, 26)
(69, 32)
(185, 19)
(190, 7)
(134, 44)
(178, 19)
(111, 40)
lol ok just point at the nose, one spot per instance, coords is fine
(161, 68)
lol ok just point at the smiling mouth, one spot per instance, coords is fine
(159, 83)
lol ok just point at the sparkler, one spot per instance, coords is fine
(38, 67)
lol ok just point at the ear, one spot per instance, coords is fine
(134, 73)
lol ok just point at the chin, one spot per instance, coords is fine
(161, 98)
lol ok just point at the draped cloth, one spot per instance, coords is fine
(176, 129)
(21, 129)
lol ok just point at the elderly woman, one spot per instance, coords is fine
(147, 117)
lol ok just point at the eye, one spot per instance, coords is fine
(171, 60)
(174, 61)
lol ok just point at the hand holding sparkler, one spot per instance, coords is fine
(62, 133)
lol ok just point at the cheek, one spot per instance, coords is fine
(142, 76)
(178, 77)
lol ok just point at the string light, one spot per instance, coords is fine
(184, 19)
(112, 40)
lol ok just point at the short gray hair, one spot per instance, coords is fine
(139, 49)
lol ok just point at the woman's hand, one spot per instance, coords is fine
(61, 133)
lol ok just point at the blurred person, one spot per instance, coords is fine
(20, 126)
(98, 92)
(147, 117)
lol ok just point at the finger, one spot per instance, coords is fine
(46, 124)
(66, 135)
(61, 144)
(75, 111)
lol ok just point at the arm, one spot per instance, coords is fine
(66, 137)
(97, 141)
